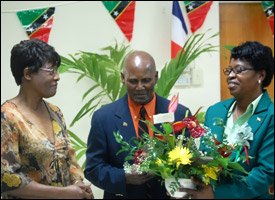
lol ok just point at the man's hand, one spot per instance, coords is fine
(138, 179)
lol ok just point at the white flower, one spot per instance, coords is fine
(239, 135)
(132, 169)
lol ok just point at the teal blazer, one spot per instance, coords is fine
(261, 167)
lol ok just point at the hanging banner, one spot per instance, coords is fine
(196, 12)
(123, 13)
(179, 30)
(38, 23)
(268, 7)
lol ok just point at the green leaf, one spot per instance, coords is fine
(122, 91)
(103, 76)
(110, 82)
(237, 166)
(168, 129)
(80, 154)
(77, 139)
(116, 86)
(90, 90)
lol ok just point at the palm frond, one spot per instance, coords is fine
(193, 48)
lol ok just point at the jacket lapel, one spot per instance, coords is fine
(123, 120)
(257, 118)
(260, 113)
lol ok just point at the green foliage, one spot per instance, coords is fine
(171, 154)
(195, 46)
(78, 145)
(104, 72)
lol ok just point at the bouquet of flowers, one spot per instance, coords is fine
(174, 152)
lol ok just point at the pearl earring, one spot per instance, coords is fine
(259, 81)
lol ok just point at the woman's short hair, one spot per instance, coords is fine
(258, 56)
(33, 54)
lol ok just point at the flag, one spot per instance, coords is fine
(179, 30)
(268, 7)
(123, 13)
(38, 23)
(196, 12)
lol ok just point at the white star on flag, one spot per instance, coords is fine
(116, 13)
(45, 16)
(190, 7)
(30, 29)
(269, 12)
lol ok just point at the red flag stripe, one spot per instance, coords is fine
(175, 48)
(43, 32)
(197, 16)
(271, 23)
(126, 20)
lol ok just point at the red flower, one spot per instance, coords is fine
(139, 156)
(190, 122)
(197, 132)
(160, 137)
(178, 126)
(216, 141)
(225, 151)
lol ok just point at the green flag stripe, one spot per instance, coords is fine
(120, 7)
(40, 20)
(267, 4)
(194, 5)
(27, 17)
(110, 5)
(187, 2)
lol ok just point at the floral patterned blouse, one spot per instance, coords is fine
(27, 154)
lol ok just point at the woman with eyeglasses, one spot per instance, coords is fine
(248, 122)
(37, 160)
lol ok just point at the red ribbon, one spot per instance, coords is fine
(246, 155)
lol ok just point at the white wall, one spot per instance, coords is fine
(87, 26)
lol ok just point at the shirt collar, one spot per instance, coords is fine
(250, 108)
(149, 107)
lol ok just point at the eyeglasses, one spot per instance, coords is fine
(237, 70)
(51, 70)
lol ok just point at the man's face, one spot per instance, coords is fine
(140, 82)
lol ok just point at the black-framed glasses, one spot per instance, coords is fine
(52, 71)
(237, 70)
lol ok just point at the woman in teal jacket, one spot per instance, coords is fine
(250, 70)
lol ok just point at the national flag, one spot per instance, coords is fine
(123, 13)
(38, 22)
(196, 12)
(268, 7)
(179, 30)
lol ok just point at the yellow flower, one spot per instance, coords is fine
(12, 180)
(56, 127)
(158, 161)
(210, 172)
(180, 156)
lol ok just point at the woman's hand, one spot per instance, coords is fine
(202, 192)
(85, 187)
(77, 191)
